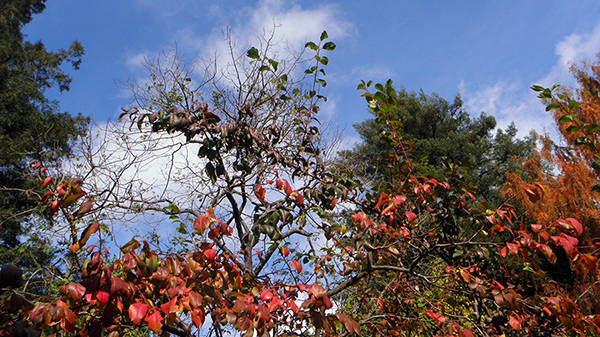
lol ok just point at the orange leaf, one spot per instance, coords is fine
(515, 322)
(296, 265)
(383, 198)
(590, 261)
(260, 193)
(155, 322)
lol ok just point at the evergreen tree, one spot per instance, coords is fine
(439, 134)
(31, 127)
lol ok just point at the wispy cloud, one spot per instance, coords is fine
(515, 102)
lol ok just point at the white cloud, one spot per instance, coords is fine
(516, 102)
(289, 26)
(136, 61)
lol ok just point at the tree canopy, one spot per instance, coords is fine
(270, 249)
(31, 127)
(438, 133)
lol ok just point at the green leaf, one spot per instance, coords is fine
(296, 91)
(369, 83)
(324, 60)
(596, 166)
(311, 70)
(593, 128)
(253, 53)
(311, 45)
(274, 64)
(361, 86)
(546, 94)
(581, 140)
(210, 171)
(552, 106)
(324, 35)
(573, 104)
(573, 128)
(379, 96)
(560, 96)
(379, 87)
(264, 68)
(537, 88)
(329, 46)
(567, 118)
(286, 98)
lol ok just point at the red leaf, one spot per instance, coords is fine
(411, 216)
(435, 316)
(466, 333)
(575, 225)
(383, 198)
(210, 254)
(47, 181)
(201, 224)
(390, 208)
(73, 290)
(296, 265)
(590, 261)
(547, 251)
(515, 322)
(266, 295)
(137, 312)
(513, 249)
(533, 196)
(198, 317)
(195, 299)
(86, 207)
(300, 199)
(169, 307)
(504, 252)
(285, 251)
(155, 321)
(318, 291)
(399, 200)
(102, 296)
(244, 323)
(380, 302)
(286, 187)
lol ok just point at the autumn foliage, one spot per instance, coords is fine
(423, 259)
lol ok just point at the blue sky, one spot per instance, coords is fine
(489, 51)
